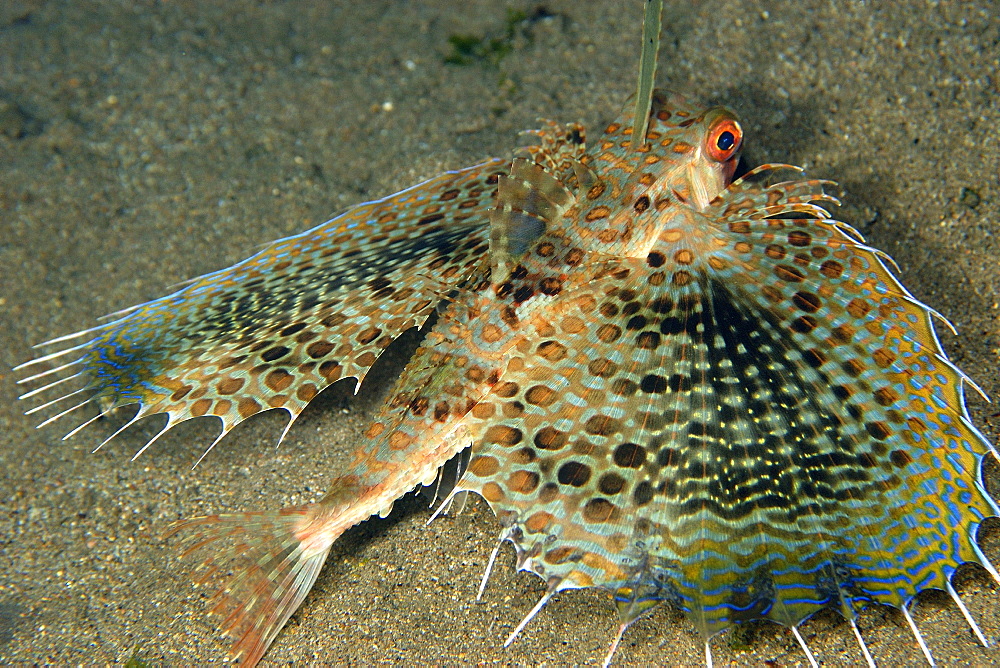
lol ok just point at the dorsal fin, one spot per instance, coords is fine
(527, 200)
(560, 151)
(647, 70)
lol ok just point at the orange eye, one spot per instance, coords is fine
(724, 139)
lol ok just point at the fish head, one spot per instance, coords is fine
(691, 153)
(688, 159)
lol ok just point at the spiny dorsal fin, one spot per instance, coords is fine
(527, 200)
(647, 70)
(559, 151)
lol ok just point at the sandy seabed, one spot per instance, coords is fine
(142, 143)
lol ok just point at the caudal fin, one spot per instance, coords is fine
(271, 571)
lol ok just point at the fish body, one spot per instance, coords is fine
(678, 387)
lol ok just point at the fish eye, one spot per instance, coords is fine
(724, 139)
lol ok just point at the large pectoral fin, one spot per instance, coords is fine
(742, 449)
(277, 328)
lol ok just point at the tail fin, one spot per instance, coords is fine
(273, 562)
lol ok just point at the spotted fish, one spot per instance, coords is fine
(673, 385)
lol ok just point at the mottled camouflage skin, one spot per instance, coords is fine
(676, 387)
